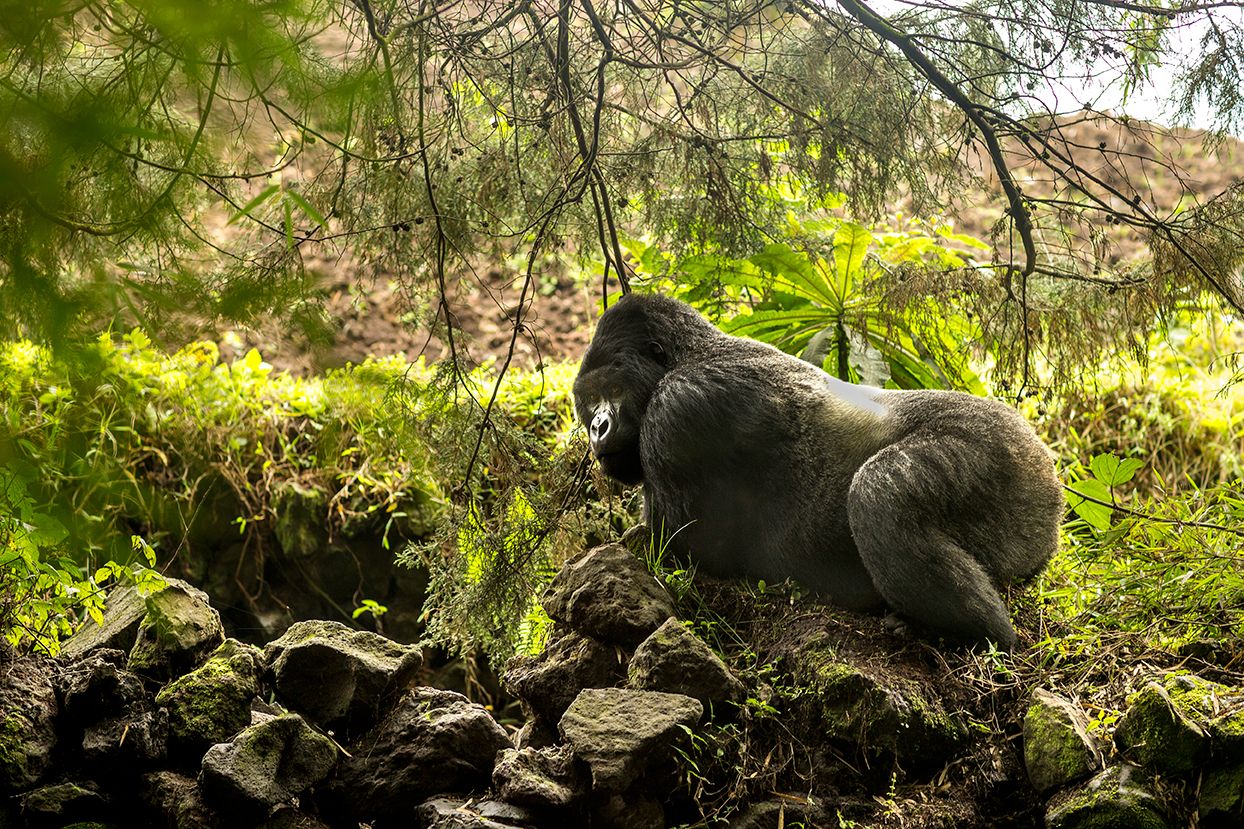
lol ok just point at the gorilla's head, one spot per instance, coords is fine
(637, 341)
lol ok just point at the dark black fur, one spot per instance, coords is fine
(759, 464)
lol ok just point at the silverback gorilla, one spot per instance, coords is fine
(760, 464)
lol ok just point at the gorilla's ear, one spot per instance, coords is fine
(658, 352)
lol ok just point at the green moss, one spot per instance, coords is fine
(878, 713)
(1056, 752)
(1112, 800)
(1201, 700)
(301, 516)
(1156, 733)
(1228, 727)
(212, 702)
(1222, 792)
(13, 763)
(1193, 696)
(1095, 814)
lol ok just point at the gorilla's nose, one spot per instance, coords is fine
(599, 428)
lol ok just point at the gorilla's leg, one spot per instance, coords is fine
(902, 514)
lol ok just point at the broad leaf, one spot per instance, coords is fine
(1113, 472)
(1097, 515)
(851, 243)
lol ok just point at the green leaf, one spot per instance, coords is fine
(48, 531)
(771, 326)
(1113, 472)
(793, 271)
(851, 243)
(305, 207)
(1097, 515)
(263, 196)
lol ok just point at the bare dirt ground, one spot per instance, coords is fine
(373, 316)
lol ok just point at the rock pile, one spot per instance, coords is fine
(157, 719)
(610, 700)
(1178, 732)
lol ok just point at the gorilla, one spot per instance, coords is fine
(756, 463)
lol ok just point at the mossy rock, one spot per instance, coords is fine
(1057, 746)
(1169, 722)
(266, 765)
(301, 519)
(1215, 707)
(28, 734)
(180, 627)
(1222, 797)
(212, 703)
(877, 714)
(62, 803)
(337, 677)
(1118, 798)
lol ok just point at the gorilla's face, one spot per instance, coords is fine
(616, 380)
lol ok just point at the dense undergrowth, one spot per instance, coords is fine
(125, 451)
(121, 455)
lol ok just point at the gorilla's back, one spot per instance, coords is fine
(741, 438)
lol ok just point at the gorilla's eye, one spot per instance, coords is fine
(657, 352)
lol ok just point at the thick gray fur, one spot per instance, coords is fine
(759, 464)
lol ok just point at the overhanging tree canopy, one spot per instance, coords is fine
(176, 155)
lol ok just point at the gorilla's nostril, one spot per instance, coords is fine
(600, 426)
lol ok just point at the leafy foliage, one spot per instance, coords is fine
(123, 431)
(835, 296)
(125, 435)
(166, 163)
(1177, 407)
(1159, 573)
(44, 592)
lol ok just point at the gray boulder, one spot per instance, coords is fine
(454, 813)
(131, 740)
(620, 732)
(338, 677)
(213, 702)
(1057, 746)
(430, 742)
(549, 682)
(62, 804)
(546, 778)
(28, 711)
(265, 766)
(675, 660)
(97, 686)
(1117, 798)
(606, 593)
(177, 630)
(175, 801)
(124, 610)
